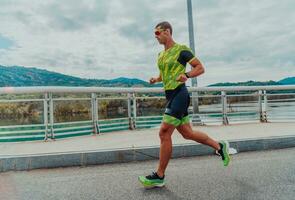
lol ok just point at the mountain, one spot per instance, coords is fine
(122, 81)
(16, 76)
(248, 83)
(288, 81)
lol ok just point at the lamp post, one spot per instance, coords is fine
(196, 119)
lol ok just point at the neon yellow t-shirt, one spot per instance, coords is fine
(172, 63)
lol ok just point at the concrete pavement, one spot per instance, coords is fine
(251, 176)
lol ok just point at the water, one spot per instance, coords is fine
(240, 112)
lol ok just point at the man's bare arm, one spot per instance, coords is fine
(197, 69)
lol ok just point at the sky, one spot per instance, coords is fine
(104, 39)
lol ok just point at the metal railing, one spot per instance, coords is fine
(223, 105)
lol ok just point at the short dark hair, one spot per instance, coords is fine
(164, 25)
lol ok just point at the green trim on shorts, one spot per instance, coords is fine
(171, 120)
(174, 121)
(185, 120)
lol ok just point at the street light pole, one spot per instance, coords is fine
(195, 102)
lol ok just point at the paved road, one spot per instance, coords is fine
(251, 175)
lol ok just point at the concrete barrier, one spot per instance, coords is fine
(87, 158)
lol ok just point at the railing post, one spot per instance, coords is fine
(45, 115)
(134, 110)
(131, 110)
(131, 125)
(224, 108)
(196, 120)
(94, 113)
(260, 106)
(265, 106)
(51, 116)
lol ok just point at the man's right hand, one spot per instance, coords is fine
(153, 80)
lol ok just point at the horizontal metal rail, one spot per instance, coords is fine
(59, 89)
(20, 100)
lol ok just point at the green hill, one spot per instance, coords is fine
(17, 76)
(248, 83)
(288, 81)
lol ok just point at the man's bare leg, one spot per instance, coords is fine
(165, 134)
(223, 147)
(188, 133)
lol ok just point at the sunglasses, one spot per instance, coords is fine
(158, 32)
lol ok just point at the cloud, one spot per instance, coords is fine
(247, 40)
(5, 43)
(72, 15)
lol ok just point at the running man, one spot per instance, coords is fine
(171, 63)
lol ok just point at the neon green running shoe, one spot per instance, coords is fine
(223, 152)
(152, 180)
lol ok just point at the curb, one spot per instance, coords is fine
(86, 158)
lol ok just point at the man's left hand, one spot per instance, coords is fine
(182, 78)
